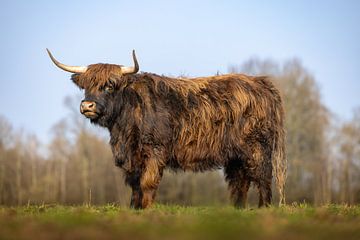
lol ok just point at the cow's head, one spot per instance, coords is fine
(100, 82)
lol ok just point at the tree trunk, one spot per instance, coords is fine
(2, 178)
(18, 180)
(85, 178)
(62, 180)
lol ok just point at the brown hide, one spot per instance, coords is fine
(231, 121)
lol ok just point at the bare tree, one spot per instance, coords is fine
(348, 140)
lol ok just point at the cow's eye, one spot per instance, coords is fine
(109, 89)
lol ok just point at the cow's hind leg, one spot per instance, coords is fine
(264, 183)
(264, 193)
(238, 182)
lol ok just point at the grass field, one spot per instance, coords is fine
(175, 222)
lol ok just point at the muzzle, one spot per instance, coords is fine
(88, 109)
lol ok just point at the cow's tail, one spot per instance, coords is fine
(279, 160)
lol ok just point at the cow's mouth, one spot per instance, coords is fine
(91, 114)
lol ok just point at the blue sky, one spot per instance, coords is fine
(195, 38)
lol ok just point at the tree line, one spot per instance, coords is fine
(76, 166)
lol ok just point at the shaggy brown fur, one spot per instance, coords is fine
(231, 121)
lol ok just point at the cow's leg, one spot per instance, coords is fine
(134, 181)
(238, 184)
(135, 197)
(264, 193)
(149, 182)
(264, 183)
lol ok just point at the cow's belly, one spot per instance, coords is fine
(197, 159)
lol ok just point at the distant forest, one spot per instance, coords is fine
(76, 166)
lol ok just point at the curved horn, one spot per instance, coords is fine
(131, 70)
(72, 69)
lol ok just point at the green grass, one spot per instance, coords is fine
(175, 222)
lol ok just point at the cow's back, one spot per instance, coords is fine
(219, 115)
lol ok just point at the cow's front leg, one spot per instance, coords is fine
(149, 182)
(135, 197)
(134, 181)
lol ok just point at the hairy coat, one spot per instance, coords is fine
(230, 121)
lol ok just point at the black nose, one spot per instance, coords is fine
(87, 106)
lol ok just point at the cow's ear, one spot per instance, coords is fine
(76, 79)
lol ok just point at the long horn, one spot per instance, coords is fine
(131, 70)
(72, 69)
